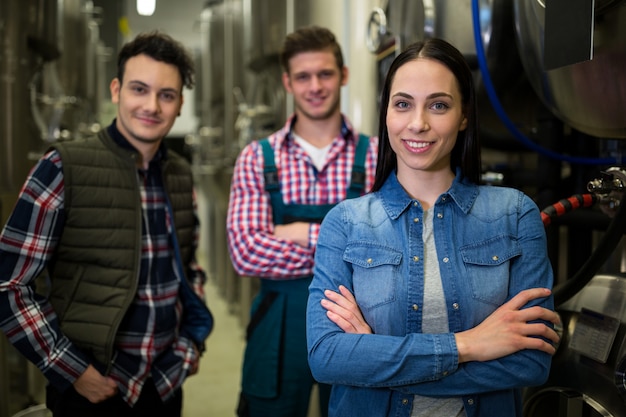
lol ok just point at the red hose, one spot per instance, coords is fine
(565, 206)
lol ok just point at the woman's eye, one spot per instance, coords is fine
(440, 106)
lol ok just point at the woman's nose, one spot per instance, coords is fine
(418, 122)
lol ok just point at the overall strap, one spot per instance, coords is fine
(357, 180)
(286, 214)
(272, 184)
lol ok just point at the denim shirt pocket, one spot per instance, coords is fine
(375, 272)
(488, 264)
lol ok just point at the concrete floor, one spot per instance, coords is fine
(214, 391)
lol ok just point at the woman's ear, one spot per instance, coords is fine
(463, 125)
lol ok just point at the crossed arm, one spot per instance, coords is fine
(507, 330)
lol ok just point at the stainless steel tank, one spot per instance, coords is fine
(210, 101)
(51, 79)
(589, 96)
(73, 88)
(216, 145)
(261, 101)
(412, 21)
(208, 142)
(24, 51)
(266, 23)
(66, 96)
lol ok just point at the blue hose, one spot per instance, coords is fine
(495, 102)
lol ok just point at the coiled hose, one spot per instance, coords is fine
(605, 248)
(565, 206)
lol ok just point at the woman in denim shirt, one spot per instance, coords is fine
(431, 294)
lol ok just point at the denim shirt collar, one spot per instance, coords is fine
(396, 200)
(463, 192)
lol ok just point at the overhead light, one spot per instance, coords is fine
(146, 7)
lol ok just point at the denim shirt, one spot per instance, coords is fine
(490, 243)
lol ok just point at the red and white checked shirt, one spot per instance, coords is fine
(254, 250)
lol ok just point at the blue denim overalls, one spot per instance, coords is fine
(276, 379)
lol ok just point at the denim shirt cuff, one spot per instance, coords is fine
(448, 354)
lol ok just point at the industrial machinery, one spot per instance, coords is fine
(588, 371)
(587, 375)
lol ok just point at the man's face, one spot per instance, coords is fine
(148, 99)
(315, 82)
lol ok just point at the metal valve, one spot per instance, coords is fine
(609, 189)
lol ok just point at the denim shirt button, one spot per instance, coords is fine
(415, 307)
(415, 204)
(369, 260)
(455, 306)
(416, 220)
(416, 258)
(446, 260)
(445, 373)
(495, 257)
(440, 215)
(405, 401)
(470, 401)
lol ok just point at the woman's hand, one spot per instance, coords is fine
(343, 310)
(507, 330)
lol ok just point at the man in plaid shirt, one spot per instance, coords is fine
(112, 218)
(281, 189)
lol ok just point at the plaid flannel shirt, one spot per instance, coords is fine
(147, 343)
(253, 249)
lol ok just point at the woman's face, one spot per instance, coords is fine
(424, 115)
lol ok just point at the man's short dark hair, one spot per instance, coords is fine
(310, 39)
(160, 47)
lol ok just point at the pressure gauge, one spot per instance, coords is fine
(376, 29)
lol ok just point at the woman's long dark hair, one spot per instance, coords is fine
(466, 151)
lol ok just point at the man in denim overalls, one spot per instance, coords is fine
(282, 188)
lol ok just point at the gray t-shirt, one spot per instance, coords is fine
(435, 320)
